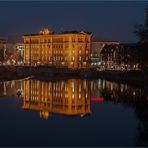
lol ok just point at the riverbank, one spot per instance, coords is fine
(8, 73)
(136, 78)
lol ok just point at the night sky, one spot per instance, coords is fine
(106, 20)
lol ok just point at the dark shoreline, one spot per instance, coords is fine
(9, 73)
(136, 78)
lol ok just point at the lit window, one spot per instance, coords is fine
(73, 58)
(72, 96)
(79, 58)
(79, 96)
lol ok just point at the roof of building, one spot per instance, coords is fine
(106, 42)
(129, 44)
(65, 32)
(76, 32)
(3, 40)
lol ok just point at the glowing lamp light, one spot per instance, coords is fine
(97, 99)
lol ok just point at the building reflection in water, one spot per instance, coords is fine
(10, 88)
(71, 97)
(129, 97)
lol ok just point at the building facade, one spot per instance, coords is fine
(120, 57)
(69, 49)
(97, 47)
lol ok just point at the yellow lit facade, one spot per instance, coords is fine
(71, 97)
(69, 49)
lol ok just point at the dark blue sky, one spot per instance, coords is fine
(106, 20)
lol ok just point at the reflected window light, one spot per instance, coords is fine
(86, 95)
(72, 96)
(79, 96)
(84, 83)
(79, 88)
(72, 85)
(91, 85)
(103, 84)
(122, 86)
(111, 86)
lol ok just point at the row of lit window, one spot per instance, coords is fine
(54, 41)
(79, 58)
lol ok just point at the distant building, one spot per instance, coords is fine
(97, 47)
(11, 54)
(10, 49)
(70, 49)
(120, 57)
(3, 42)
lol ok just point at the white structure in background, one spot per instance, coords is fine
(11, 54)
(20, 52)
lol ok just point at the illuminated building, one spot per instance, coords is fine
(11, 54)
(7, 52)
(71, 97)
(97, 47)
(120, 57)
(68, 49)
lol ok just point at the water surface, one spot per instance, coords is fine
(72, 112)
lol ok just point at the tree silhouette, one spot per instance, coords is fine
(141, 30)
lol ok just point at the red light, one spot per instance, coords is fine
(97, 99)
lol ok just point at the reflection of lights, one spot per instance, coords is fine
(44, 114)
(122, 86)
(97, 99)
(79, 96)
(82, 115)
(99, 63)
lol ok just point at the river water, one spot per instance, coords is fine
(73, 112)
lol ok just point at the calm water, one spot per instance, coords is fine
(72, 112)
